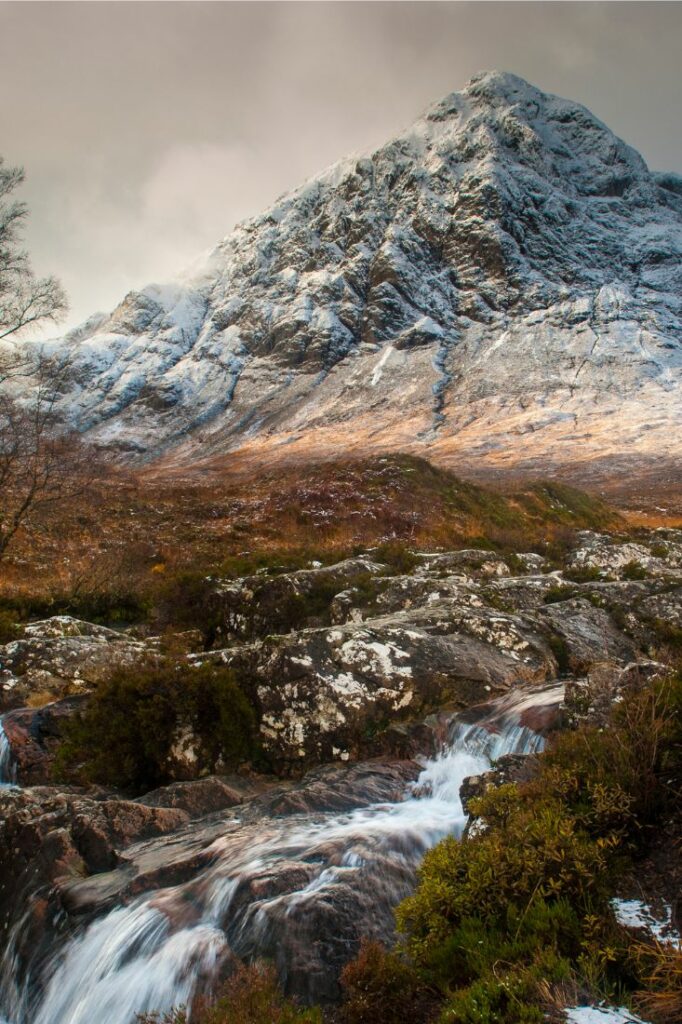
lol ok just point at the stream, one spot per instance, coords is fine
(298, 889)
(7, 773)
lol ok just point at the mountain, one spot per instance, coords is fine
(498, 287)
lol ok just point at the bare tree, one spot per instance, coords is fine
(41, 464)
(25, 300)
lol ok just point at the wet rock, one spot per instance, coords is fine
(34, 735)
(49, 838)
(509, 768)
(331, 788)
(66, 857)
(205, 796)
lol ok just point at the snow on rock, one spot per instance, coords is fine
(506, 268)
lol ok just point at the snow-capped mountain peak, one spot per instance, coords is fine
(500, 283)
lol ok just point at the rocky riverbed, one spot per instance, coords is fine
(396, 687)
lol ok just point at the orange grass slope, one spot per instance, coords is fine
(137, 527)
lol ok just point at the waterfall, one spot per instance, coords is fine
(270, 887)
(7, 767)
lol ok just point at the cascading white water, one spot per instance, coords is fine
(153, 953)
(7, 771)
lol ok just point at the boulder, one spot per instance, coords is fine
(589, 700)
(468, 563)
(665, 606)
(256, 606)
(325, 693)
(33, 735)
(61, 656)
(660, 555)
(585, 635)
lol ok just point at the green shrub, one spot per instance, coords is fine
(529, 853)
(275, 608)
(367, 589)
(634, 571)
(523, 904)
(559, 649)
(626, 777)
(397, 556)
(517, 566)
(509, 996)
(9, 627)
(496, 600)
(129, 733)
(666, 634)
(250, 996)
(583, 573)
(619, 617)
(188, 601)
(107, 606)
(558, 593)
(306, 608)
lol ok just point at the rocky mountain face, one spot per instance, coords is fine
(499, 286)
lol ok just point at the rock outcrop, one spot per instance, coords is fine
(355, 649)
(60, 657)
(455, 630)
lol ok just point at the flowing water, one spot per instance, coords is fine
(7, 772)
(297, 889)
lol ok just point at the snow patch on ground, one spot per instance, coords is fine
(601, 1015)
(636, 914)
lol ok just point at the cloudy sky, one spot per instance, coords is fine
(148, 129)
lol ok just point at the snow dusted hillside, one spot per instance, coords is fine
(500, 286)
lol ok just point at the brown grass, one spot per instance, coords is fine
(660, 969)
(136, 529)
(652, 520)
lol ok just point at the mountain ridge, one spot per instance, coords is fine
(499, 286)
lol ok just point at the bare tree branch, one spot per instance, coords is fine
(25, 300)
(41, 464)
